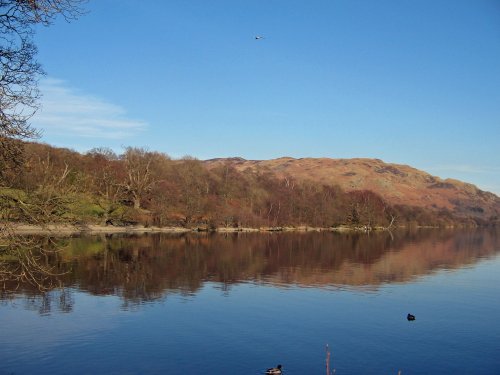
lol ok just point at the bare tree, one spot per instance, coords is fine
(140, 178)
(19, 69)
(19, 100)
(107, 174)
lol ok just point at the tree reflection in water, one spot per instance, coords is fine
(146, 268)
(27, 260)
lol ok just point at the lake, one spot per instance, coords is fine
(240, 303)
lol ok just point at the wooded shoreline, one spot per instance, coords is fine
(70, 229)
(143, 188)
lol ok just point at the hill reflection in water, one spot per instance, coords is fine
(149, 267)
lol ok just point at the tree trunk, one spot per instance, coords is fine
(137, 203)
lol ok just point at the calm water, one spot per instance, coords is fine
(237, 304)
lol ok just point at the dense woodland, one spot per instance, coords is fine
(43, 183)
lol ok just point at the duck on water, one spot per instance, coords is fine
(274, 370)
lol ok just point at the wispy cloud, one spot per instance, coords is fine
(67, 111)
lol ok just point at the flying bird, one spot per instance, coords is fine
(258, 37)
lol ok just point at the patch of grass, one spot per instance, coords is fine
(6, 192)
(83, 208)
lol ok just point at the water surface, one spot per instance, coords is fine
(237, 304)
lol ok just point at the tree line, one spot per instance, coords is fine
(150, 188)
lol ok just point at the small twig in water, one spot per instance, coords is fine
(328, 355)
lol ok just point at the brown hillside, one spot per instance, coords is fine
(397, 184)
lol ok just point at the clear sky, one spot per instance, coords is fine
(409, 82)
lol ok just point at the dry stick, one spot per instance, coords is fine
(327, 360)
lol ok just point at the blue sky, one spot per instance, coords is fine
(409, 82)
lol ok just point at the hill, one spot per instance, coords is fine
(56, 185)
(395, 183)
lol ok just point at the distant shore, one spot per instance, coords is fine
(67, 229)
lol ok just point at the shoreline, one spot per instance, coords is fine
(69, 229)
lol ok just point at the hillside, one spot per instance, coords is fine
(395, 183)
(55, 185)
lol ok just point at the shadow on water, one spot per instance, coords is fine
(146, 268)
